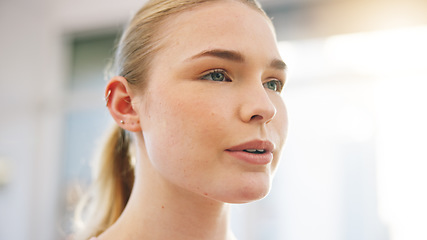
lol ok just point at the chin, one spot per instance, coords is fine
(250, 195)
(248, 190)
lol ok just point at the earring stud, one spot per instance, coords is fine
(122, 122)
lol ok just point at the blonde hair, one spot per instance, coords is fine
(114, 177)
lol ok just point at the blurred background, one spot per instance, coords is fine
(354, 167)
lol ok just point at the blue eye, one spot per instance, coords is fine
(217, 76)
(274, 85)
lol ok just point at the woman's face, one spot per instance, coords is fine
(213, 97)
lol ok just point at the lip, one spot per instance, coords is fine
(253, 158)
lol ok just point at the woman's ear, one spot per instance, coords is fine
(119, 101)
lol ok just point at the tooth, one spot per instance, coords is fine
(251, 150)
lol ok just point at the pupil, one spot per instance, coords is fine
(272, 86)
(217, 76)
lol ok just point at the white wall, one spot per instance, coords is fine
(33, 73)
(29, 126)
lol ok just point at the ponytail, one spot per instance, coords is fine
(111, 188)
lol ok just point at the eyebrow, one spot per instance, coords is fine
(219, 53)
(236, 57)
(278, 64)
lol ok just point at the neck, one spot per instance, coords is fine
(158, 209)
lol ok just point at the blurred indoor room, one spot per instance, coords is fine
(354, 163)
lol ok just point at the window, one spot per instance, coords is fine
(86, 117)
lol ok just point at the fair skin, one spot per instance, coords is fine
(218, 87)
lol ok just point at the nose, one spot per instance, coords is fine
(257, 106)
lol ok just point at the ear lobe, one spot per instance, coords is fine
(119, 103)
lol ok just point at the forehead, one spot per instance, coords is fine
(220, 24)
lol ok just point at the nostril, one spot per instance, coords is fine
(256, 117)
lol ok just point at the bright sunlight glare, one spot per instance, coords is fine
(395, 62)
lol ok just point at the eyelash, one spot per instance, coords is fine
(226, 78)
(216, 71)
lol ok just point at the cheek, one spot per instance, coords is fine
(279, 130)
(280, 122)
(180, 131)
(283, 120)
